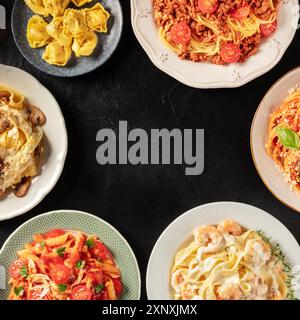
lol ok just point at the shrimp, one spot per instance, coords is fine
(177, 280)
(231, 227)
(257, 252)
(229, 292)
(210, 238)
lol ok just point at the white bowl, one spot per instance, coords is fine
(180, 230)
(206, 75)
(55, 137)
(265, 165)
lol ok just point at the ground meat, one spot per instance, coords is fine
(170, 12)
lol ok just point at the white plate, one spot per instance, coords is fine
(56, 141)
(265, 166)
(180, 230)
(205, 75)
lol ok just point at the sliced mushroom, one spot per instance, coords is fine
(4, 123)
(36, 116)
(21, 189)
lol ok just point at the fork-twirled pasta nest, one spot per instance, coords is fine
(69, 30)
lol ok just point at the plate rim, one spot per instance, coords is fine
(204, 85)
(70, 211)
(260, 106)
(67, 75)
(33, 204)
(190, 211)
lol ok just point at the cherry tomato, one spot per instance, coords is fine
(118, 287)
(181, 33)
(15, 269)
(230, 52)
(100, 251)
(96, 276)
(267, 29)
(54, 259)
(54, 233)
(241, 13)
(36, 294)
(81, 292)
(59, 273)
(208, 6)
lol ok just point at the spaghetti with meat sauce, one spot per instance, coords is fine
(215, 31)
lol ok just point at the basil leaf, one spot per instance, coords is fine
(61, 287)
(19, 291)
(80, 264)
(61, 251)
(23, 272)
(288, 138)
(99, 287)
(90, 243)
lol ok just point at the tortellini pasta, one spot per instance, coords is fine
(69, 30)
(56, 7)
(80, 3)
(74, 22)
(96, 18)
(85, 45)
(57, 54)
(37, 35)
(56, 31)
(37, 6)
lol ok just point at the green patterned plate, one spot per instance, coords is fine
(81, 221)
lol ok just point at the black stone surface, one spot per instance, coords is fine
(140, 201)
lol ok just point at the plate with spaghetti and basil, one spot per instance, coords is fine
(275, 139)
(228, 42)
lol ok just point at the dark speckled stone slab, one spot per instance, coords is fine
(107, 43)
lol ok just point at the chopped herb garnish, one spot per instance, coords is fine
(90, 243)
(19, 291)
(24, 272)
(42, 244)
(99, 288)
(80, 264)
(61, 251)
(62, 287)
(287, 268)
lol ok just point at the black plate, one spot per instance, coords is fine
(107, 43)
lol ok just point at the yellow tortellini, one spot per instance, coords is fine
(37, 6)
(85, 45)
(57, 54)
(56, 31)
(56, 7)
(37, 35)
(80, 3)
(69, 30)
(96, 18)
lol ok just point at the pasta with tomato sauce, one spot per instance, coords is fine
(65, 265)
(283, 144)
(215, 31)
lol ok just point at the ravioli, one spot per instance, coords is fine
(96, 18)
(57, 54)
(80, 3)
(74, 22)
(56, 31)
(37, 35)
(85, 45)
(37, 6)
(56, 7)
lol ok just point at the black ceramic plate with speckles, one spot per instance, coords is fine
(107, 43)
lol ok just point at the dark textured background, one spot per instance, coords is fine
(140, 201)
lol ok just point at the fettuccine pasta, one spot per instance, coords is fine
(226, 262)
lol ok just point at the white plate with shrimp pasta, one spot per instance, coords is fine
(33, 142)
(216, 43)
(224, 251)
(275, 139)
